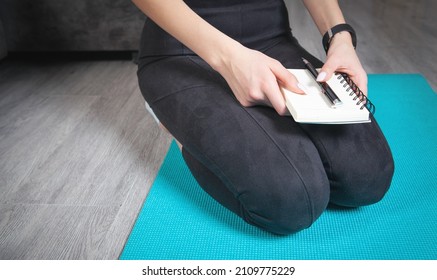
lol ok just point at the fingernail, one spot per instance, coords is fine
(302, 88)
(321, 77)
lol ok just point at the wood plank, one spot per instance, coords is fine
(91, 150)
(77, 171)
(52, 231)
(29, 134)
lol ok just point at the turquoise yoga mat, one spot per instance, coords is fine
(180, 221)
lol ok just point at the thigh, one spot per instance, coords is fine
(266, 161)
(289, 52)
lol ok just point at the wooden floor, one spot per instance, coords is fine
(78, 152)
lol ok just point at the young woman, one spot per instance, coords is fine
(211, 70)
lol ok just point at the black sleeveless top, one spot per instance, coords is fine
(254, 23)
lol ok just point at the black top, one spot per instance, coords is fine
(223, 3)
(251, 22)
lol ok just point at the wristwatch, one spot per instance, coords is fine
(337, 29)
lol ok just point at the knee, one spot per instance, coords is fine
(283, 213)
(364, 185)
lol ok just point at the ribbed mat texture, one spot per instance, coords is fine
(180, 221)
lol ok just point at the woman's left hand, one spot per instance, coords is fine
(341, 57)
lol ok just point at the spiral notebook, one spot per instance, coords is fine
(315, 107)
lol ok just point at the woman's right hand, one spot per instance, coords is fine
(256, 78)
(253, 77)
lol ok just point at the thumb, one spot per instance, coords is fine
(326, 71)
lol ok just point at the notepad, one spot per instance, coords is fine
(315, 107)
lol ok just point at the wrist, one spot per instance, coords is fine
(343, 37)
(223, 54)
(342, 32)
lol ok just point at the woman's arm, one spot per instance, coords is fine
(341, 55)
(253, 77)
(175, 17)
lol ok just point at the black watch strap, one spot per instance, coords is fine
(336, 29)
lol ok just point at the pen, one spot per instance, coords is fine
(325, 87)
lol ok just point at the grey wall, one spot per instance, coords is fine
(3, 49)
(66, 25)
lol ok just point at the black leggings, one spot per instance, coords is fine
(274, 173)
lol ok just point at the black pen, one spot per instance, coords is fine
(325, 87)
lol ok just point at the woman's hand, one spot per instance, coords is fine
(256, 79)
(253, 77)
(342, 57)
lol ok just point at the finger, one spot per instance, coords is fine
(361, 81)
(275, 96)
(327, 70)
(359, 78)
(286, 79)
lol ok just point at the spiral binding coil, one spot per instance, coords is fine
(353, 89)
